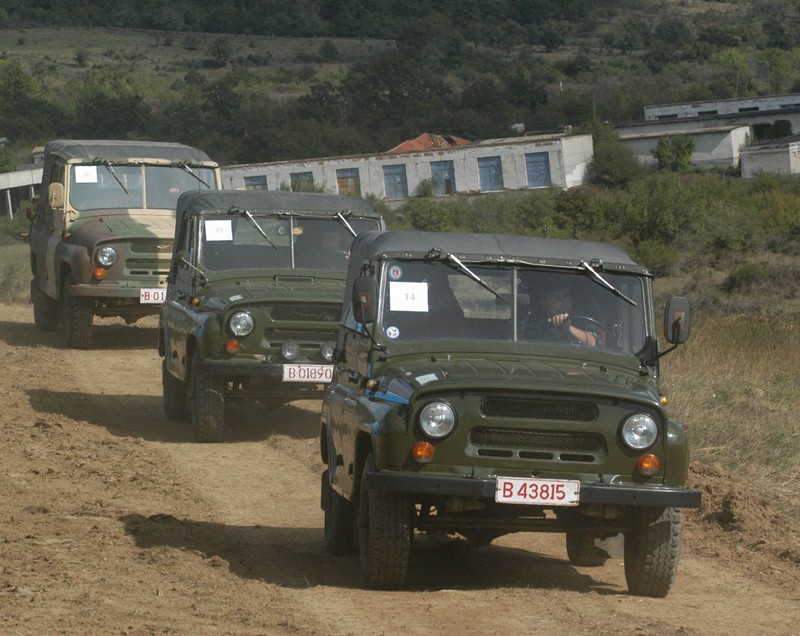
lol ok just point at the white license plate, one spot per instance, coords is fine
(152, 296)
(537, 492)
(320, 373)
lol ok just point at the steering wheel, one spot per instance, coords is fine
(590, 324)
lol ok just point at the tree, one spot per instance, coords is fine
(674, 153)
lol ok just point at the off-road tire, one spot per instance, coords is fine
(174, 390)
(45, 309)
(582, 550)
(207, 403)
(652, 548)
(385, 527)
(339, 520)
(76, 317)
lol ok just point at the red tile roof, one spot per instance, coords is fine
(427, 141)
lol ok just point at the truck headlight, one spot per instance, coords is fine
(241, 323)
(290, 350)
(639, 431)
(437, 419)
(327, 350)
(106, 256)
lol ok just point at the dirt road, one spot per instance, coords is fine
(112, 521)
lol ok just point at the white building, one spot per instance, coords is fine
(447, 164)
(717, 147)
(733, 106)
(781, 156)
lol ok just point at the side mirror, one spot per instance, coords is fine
(677, 320)
(55, 195)
(365, 295)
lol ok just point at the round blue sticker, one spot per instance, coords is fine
(392, 332)
(395, 272)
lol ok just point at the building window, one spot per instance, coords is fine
(749, 109)
(537, 167)
(348, 182)
(256, 182)
(302, 181)
(444, 177)
(706, 112)
(672, 116)
(490, 171)
(394, 181)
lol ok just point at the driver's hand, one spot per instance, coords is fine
(559, 319)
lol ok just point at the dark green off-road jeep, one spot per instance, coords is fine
(487, 384)
(253, 300)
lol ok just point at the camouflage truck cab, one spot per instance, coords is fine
(254, 298)
(101, 236)
(487, 384)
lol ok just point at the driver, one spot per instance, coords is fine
(553, 323)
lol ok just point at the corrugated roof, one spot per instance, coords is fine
(427, 141)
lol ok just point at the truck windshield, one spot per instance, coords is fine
(110, 186)
(258, 240)
(439, 300)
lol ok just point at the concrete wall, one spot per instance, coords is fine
(713, 147)
(723, 107)
(777, 159)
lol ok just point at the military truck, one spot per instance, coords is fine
(101, 235)
(487, 384)
(253, 301)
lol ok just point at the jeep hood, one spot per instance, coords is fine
(417, 378)
(119, 226)
(251, 288)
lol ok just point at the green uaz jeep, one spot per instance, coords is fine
(254, 298)
(101, 236)
(487, 384)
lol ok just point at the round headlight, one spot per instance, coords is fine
(106, 256)
(327, 350)
(241, 323)
(290, 350)
(639, 431)
(437, 419)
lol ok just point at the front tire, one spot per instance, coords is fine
(652, 548)
(385, 527)
(45, 309)
(76, 317)
(175, 393)
(207, 403)
(339, 520)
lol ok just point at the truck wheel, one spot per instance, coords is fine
(76, 317)
(652, 547)
(339, 520)
(45, 309)
(583, 552)
(207, 403)
(174, 391)
(384, 534)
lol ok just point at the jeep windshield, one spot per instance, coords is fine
(105, 186)
(565, 307)
(244, 239)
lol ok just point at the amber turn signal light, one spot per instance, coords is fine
(99, 273)
(648, 464)
(423, 452)
(232, 346)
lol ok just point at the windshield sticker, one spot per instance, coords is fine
(392, 332)
(408, 296)
(395, 272)
(424, 379)
(219, 230)
(85, 174)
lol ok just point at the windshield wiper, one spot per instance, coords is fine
(195, 175)
(114, 174)
(472, 274)
(249, 217)
(344, 222)
(602, 281)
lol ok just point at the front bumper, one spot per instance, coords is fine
(590, 493)
(262, 377)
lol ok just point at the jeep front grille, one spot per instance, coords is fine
(543, 445)
(539, 409)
